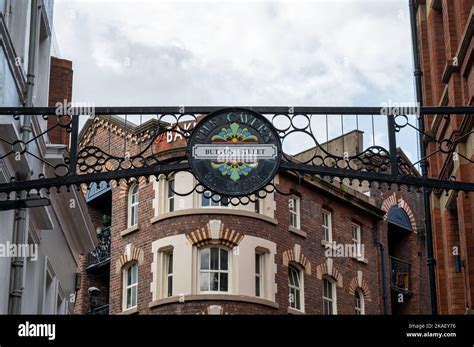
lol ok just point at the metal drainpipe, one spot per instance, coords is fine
(384, 279)
(424, 170)
(20, 228)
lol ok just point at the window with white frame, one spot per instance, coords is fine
(259, 280)
(130, 286)
(327, 225)
(359, 302)
(133, 205)
(295, 285)
(294, 208)
(213, 270)
(207, 200)
(169, 274)
(356, 234)
(170, 195)
(329, 296)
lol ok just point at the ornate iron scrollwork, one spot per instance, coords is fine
(84, 164)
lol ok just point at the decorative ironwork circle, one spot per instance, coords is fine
(234, 152)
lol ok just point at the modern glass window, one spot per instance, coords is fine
(327, 226)
(356, 234)
(295, 287)
(169, 274)
(208, 201)
(133, 205)
(170, 195)
(259, 258)
(329, 296)
(214, 270)
(294, 208)
(130, 284)
(359, 302)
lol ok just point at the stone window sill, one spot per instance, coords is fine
(361, 260)
(130, 311)
(212, 211)
(129, 230)
(292, 310)
(213, 297)
(297, 231)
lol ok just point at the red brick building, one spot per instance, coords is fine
(173, 254)
(445, 39)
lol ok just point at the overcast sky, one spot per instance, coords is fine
(307, 53)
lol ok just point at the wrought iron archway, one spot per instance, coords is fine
(375, 164)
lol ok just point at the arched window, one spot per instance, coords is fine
(133, 205)
(213, 270)
(329, 296)
(359, 302)
(295, 285)
(130, 286)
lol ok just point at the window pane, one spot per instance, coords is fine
(257, 286)
(205, 259)
(297, 300)
(170, 188)
(204, 200)
(204, 281)
(170, 263)
(257, 263)
(134, 295)
(214, 281)
(134, 273)
(129, 276)
(223, 282)
(171, 204)
(129, 297)
(170, 286)
(224, 259)
(214, 258)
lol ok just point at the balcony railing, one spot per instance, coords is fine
(101, 254)
(100, 310)
(400, 274)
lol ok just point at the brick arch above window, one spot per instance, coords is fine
(359, 283)
(392, 201)
(215, 232)
(130, 254)
(328, 269)
(296, 256)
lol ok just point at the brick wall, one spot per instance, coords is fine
(60, 90)
(446, 51)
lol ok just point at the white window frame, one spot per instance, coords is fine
(359, 310)
(133, 206)
(126, 286)
(294, 211)
(358, 239)
(327, 228)
(300, 288)
(260, 275)
(170, 195)
(228, 271)
(331, 300)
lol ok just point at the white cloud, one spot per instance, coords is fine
(237, 52)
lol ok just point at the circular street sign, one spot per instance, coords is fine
(234, 152)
